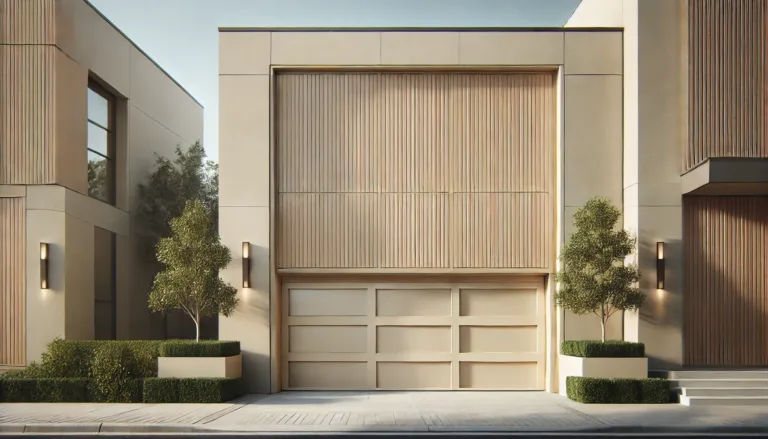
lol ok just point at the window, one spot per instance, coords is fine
(101, 144)
(104, 285)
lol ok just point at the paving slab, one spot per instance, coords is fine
(378, 412)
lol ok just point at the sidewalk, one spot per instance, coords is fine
(402, 412)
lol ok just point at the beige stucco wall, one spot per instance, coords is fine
(655, 131)
(662, 132)
(590, 143)
(154, 114)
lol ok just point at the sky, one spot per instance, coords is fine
(182, 35)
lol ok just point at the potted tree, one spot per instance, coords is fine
(594, 279)
(193, 256)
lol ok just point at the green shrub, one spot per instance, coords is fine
(68, 358)
(655, 391)
(34, 370)
(589, 390)
(73, 358)
(208, 390)
(159, 390)
(114, 370)
(145, 354)
(205, 348)
(45, 390)
(618, 390)
(626, 391)
(599, 349)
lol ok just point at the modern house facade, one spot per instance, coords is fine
(83, 111)
(396, 199)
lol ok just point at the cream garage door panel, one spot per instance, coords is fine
(413, 336)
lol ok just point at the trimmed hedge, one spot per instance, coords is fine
(191, 390)
(74, 358)
(45, 390)
(159, 390)
(115, 371)
(618, 390)
(606, 349)
(205, 348)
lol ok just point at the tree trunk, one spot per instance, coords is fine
(602, 321)
(197, 327)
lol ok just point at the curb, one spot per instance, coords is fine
(110, 429)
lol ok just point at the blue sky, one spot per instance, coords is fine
(182, 35)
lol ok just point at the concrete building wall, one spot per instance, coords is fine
(67, 43)
(655, 131)
(590, 100)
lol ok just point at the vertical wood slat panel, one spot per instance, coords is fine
(726, 290)
(728, 81)
(27, 22)
(396, 135)
(27, 114)
(12, 283)
(413, 232)
(328, 230)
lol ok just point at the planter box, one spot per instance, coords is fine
(200, 367)
(595, 367)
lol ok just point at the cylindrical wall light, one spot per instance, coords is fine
(246, 265)
(660, 265)
(44, 265)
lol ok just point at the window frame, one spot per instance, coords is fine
(97, 88)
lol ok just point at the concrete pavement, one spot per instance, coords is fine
(397, 412)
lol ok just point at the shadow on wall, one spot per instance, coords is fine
(249, 324)
(662, 312)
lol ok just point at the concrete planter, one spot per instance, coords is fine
(200, 367)
(601, 368)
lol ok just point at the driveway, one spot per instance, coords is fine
(379, 411)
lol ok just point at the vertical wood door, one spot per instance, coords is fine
(726, 289)
(12, 285)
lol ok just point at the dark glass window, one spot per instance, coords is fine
(101, 144)
(104, 285)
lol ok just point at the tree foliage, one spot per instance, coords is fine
(189, 176)
(193, 256)
(98, 182)
(594, 278)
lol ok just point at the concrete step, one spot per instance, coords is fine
(718, 383)
(735, 392)
(711, 374)
(699, 401)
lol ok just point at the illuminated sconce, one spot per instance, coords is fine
(660, 265)
(44, 265)
(246, 265)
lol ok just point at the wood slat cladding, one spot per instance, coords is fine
(27, 108)
(12, 285)
(726, 288)
(27, 22)
(420, 160)
(728, 80)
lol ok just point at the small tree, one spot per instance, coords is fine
(594, 278)
(192, 256)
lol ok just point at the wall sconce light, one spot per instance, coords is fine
(44, 265)
(246, 265)
(660, 265)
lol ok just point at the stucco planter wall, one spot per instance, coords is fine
(200, 367)
(601, 368)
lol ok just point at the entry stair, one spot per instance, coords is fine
(718, 387)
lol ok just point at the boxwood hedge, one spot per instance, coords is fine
(603, 349)
(191, 390)
(618, 390)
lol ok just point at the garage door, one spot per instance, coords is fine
(403, 336)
